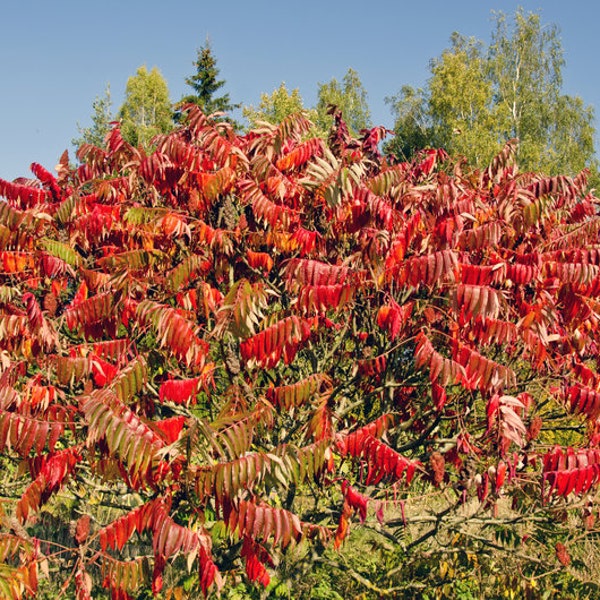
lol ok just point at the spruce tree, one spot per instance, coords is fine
(205, 84)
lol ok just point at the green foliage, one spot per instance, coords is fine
(205, 84)
(477, 98)
(461, 98)
(350, 97)
(275, 107)
(413, 128)
(146, 110)
(525, 64)
(101, 119)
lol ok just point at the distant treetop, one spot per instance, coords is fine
(477, 98)
(205, 84)
(147, 110)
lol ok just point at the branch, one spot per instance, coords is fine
(368, 584)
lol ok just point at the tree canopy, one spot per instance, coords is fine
(205, 84)
(280, 363)
(350, 97)
(146, 110)
(477, 98)
(101, 119)
(275, 107)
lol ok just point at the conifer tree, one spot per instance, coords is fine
(205, 84)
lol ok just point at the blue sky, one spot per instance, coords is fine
(56, 57)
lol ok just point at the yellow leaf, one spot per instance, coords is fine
(26, 348)
(443, 569)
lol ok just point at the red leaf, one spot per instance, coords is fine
(102, 372)
(355, 500)
(157, 574)
(343, 526)
(393, 317)
(82, 529)
(179, 391)
(50, 478)
(382, 460)
(571, 470)
(281, 524)
(255, 569)
(280, 340)
(209, 573)
(170, 428)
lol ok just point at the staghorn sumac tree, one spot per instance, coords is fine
(234, 348)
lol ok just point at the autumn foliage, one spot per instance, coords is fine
(232, 345)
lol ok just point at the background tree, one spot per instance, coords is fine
(274, 107)
(146, 110)
(461, 102)
(478, 98)
(413, 129)
(350, 96)
(525, 64)
(101, 119)
(205, 84)
(455, 111)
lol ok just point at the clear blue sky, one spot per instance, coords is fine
(56, 57)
